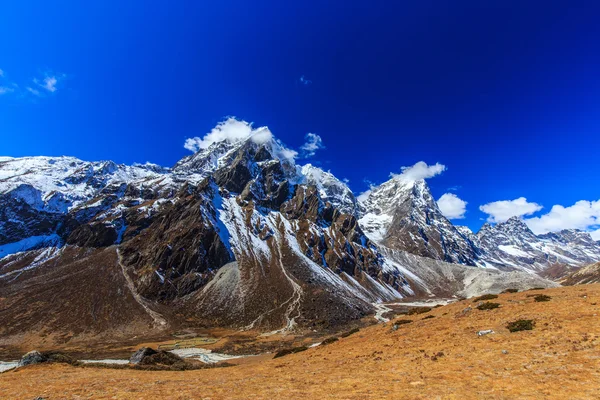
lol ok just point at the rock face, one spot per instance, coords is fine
(140, 354)
(236, 235)
(403, 215)
(33, 357)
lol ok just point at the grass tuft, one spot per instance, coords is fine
(521, 325)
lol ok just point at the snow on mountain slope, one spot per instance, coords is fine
(239, 235)
(57, 184)
(402, 214)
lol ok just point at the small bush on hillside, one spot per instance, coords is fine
(511, 291)
(521, 325)
(488, 306)
(429, 317)
(350, 332)
(485, 297)
(419, 310)
(537, 288)
(293, 350)
(329, 341)
(542, 297)
(402, 321)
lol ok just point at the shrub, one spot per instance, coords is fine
(488, 306)
(429, 317)
(293, 350)
(485, 297)
(419, 310)
(402, 321)
(350, 332)
(329, 341)
(521, 325)
(511, 291)
(542, 297)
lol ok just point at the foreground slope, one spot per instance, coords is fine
(440, 357)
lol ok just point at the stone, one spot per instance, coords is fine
(33, 357)
(139, 355)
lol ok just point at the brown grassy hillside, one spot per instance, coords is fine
(428, 358)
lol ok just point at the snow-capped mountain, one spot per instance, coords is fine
(512, 245)
(234, 235)
(403, 215)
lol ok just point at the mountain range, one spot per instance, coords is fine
(238, 235)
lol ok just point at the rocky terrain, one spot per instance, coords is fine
(236, 235)
(454, 351)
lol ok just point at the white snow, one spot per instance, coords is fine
(204, 355)
(106, 361)
(28, 244)
(512, 250)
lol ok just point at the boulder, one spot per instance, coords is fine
(139, 355)
(33, 357)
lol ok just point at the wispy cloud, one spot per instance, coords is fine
(33, 91)
(304, 81)
(6, 89)
(312, 144)
(49, 84)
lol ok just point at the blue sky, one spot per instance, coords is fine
(506, 95)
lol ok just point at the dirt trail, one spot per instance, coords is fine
(159, 320)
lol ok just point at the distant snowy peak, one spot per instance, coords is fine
(512, 245)
(57, 184)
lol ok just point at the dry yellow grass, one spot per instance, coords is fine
(559, 359)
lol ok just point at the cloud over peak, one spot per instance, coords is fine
(419, 171)
(231, 130)
(312, 144)
(500, 211)
(584, 215)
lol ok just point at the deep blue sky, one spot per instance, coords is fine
(506, 94)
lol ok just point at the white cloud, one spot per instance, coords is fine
(584, 215)
(33, 91)
(303, 80)
(4, 90)
(1, 73)
(313, 143)
(452, 206)
(419, 171)
(233, 130)
(49, 83)
(595, 234)
(500, 211)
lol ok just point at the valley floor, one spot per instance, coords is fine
(440, 357)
